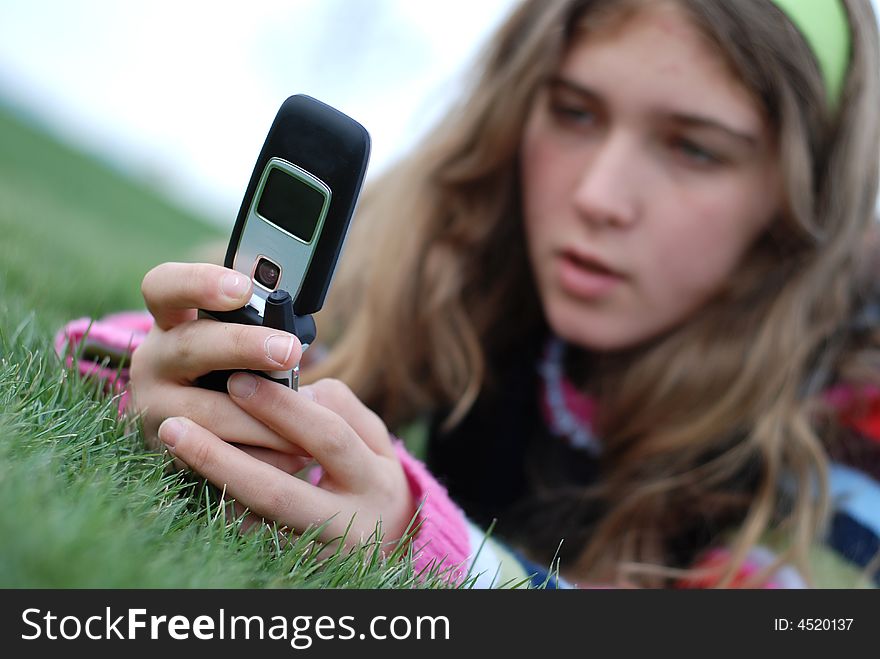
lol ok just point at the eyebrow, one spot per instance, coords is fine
(690, 120)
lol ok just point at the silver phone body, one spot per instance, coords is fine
(283, 227)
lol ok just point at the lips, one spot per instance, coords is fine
(585, 276)
(590, 262)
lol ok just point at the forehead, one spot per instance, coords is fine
(653, 56)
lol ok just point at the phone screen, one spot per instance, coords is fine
(291, 204)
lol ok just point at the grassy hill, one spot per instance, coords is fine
(84, 503)
(77, 237)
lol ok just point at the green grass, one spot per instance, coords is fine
(84, 503)
(77, 237)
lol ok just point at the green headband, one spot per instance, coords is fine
(825, 27)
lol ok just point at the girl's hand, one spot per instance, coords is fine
(180, 348)
(362, 476)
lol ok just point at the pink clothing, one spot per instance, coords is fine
(116, 334)
(442, 538)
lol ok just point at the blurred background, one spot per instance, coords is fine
(181, 94)
(129, 130)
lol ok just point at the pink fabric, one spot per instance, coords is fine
(845, 396)
(442, 539)
(718, 558)
(121, 332)
(580, 404)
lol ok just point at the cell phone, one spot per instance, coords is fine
(293, 220)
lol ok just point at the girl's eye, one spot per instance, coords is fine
(694, 153)
(572, 115)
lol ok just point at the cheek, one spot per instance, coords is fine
(701, 246)
(548, 172)
(536, 174)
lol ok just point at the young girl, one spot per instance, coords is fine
(624, 296)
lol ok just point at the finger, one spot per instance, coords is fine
(261, 487)
(289, 464)
(319, 431)
(217, 412)
(173, 291)
(338, 397)
(201, 346)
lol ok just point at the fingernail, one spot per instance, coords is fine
(278, 348)
(307, 391)
(171, 431)
(235, 286)
(242, 385)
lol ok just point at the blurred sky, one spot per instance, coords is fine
(182, 92)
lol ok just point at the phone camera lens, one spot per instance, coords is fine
(267, 273)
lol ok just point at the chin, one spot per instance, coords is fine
(591, 330)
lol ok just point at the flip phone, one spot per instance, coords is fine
(293, 221)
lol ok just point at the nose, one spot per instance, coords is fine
(607, 191)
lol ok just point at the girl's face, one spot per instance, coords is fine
(647, 172)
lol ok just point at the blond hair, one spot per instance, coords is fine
(700, 426)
